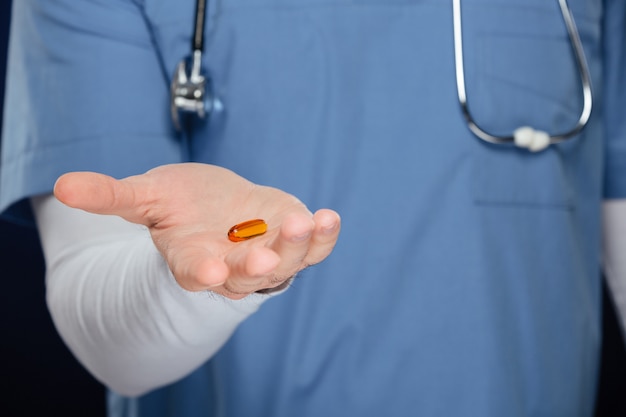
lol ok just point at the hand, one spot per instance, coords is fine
(189, 209)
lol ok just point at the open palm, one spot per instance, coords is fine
(189, 209)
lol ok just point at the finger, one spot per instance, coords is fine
(101, 194)
(292, 243)
(195, 269)
(251, 269)
(327, 227)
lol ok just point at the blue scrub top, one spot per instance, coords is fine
(466, 278)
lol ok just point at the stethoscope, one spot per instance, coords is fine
(191, 92)
(525, 136)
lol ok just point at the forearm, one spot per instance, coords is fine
(614, 253)
(118, 307)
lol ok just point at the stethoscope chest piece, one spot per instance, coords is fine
(190, 91)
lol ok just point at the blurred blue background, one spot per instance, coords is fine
(40, 377)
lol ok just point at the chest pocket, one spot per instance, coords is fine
(523, 73)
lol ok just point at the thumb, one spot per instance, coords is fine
(101, 194)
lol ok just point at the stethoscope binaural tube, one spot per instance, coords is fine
(526, 137)
(190, 89)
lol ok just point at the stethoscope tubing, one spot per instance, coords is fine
(198, 32)
(197, 45)
(581, 63)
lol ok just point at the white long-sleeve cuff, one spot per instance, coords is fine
(614, 254)
(117, 306)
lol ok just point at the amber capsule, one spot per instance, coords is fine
(247, 230)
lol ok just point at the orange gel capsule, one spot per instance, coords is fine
(247, 230)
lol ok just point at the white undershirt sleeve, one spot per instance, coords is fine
(117, 306)
(614, 254)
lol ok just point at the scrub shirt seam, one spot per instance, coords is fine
(372, 4)
(82, 139)
(565, 206)
(105, 33)
(328, 5)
